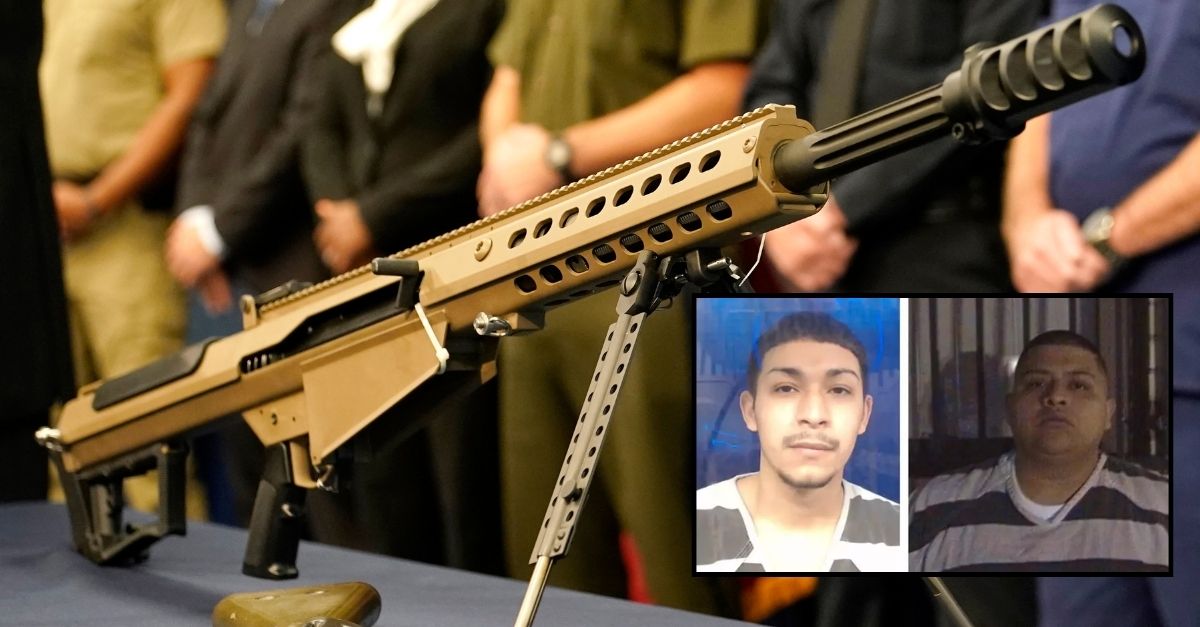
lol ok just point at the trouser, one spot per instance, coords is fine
(125, 311)
(230, 460)
(644, 483)
(1149, 601)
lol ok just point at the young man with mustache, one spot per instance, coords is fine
(1056, 502)
(807, 400)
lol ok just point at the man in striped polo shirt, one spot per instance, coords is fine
(806, 399)
(1056, 502)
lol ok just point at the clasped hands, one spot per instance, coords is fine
(515, 169)
(810, 255)
(1049, 253)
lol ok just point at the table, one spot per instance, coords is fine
(44, 581)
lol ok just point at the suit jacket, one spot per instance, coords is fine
(927, 219)
(35, 353)
(242, 151)
(413, 169)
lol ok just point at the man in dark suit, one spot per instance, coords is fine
(392, 161)
(245, 213)
(35, 363)
(245, 223)
(927, 220)
(395, 167)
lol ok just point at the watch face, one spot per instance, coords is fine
(558, 154)
(1097, 226)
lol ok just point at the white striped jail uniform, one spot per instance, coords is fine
(867, 533)
(973, 520)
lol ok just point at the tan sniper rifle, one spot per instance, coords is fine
(317, 366)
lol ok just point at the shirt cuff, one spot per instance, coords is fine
(200, 219)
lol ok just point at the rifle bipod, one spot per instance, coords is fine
(941, 594)
(651, 282)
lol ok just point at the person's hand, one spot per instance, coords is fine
(214, 291)
(74, 210)
(811, 254)
(1049, 254)
(515, 169)
(187, 258)
(341, 236)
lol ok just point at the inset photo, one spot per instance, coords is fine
(797, 435)
(1040, 435)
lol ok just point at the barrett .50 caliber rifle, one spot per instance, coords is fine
(321, 368)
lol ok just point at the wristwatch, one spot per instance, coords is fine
(558, 157)
(1097, 229)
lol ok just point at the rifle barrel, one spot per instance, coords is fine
(991, 97)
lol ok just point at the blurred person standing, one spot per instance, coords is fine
(391, 161)
(245, 221)
(119, 82)
(1103, 195)
(926, 220)
(35, 365)
(394, 151)
(579, 87)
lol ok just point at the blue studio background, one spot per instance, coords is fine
(726, 329)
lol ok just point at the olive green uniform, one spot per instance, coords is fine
(578, 61)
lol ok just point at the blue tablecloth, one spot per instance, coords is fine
(43, 581)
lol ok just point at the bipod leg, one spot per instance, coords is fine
(941, 594)
(641, 292)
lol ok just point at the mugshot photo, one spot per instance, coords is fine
(1040, 434)
(797, 435)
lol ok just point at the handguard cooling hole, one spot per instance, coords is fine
(623, 195)
(604, 253)
(577, 264)
(632, 243)
(551, 273)
(651, 184)
(719, 210)
(660, 232)
(680, 172)
(689, 221)
(525, 283)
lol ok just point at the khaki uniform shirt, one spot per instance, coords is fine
(102, 71)
(579, 60)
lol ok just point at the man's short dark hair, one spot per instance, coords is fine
(806, 325)
(1062, 337)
